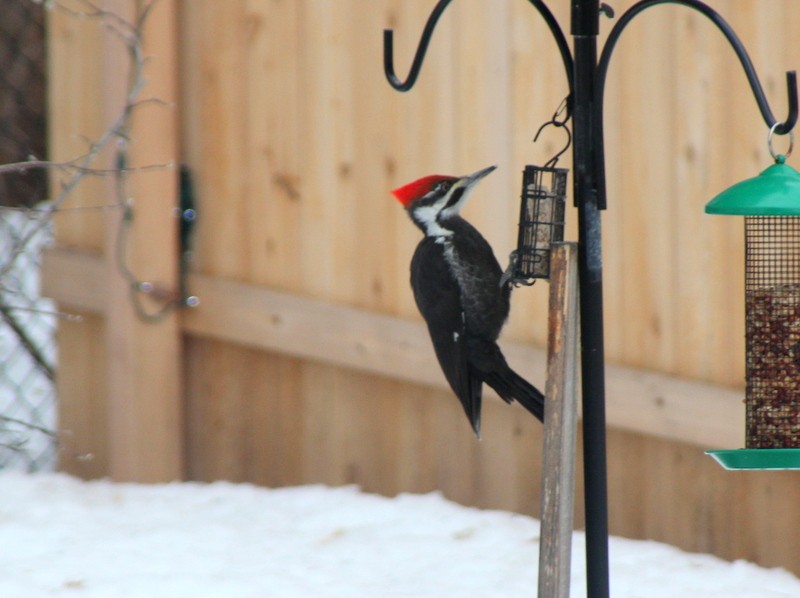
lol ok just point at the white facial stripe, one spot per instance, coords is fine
(427, 216)
(456, 207)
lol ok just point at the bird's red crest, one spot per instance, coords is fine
(408, 193)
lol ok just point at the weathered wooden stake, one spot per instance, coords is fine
(560, 424)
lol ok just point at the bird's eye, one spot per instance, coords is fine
(444, 185)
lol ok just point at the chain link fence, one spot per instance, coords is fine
(27, 322)
(27, 350)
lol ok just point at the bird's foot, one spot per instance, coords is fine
(508, 276)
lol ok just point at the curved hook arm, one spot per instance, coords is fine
(422, 48)
(780, 128)
(736, 44)
(563, 47)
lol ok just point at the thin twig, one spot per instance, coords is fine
(74, 167)
(28, 425)
(25, 340)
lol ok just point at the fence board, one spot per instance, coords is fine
(141, 405)
(240, 411)
(82, 405)
(74, 66)
(144, 383)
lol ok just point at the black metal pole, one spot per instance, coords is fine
(585, 25)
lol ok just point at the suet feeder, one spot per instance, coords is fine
(541, 221)
(770, 204)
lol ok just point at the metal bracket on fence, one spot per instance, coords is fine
(186, 213)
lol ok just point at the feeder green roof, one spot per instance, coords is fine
(774, 192)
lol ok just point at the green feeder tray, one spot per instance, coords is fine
(774, 192)
(758, 459)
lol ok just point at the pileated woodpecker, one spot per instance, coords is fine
(461, 292)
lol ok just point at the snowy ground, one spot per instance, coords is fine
(63, 537)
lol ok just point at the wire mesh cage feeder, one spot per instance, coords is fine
(541, 221)
(770, 204)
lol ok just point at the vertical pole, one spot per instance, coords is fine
(560, 425)
(585, 26)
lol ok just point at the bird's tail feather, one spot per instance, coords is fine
(513, 387)
(488, 364)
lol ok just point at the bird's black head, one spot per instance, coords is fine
(433, 199)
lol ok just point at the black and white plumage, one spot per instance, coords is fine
(457, 286)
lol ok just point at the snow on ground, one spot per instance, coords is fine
(64, 537)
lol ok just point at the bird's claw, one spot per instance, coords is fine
(508, 277)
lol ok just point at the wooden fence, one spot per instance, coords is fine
(306, 360)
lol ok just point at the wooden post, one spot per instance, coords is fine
(558, 467)
(144, 357)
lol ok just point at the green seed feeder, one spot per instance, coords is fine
(770, 203)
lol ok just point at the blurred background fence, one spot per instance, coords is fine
(306, 360)
(27, 326)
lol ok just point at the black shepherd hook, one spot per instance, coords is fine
(781, 128)
(422, 48)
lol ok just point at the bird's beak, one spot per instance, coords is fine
(473, 178)
(460, 192)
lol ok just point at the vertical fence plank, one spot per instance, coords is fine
(82, 406)
(144, 358)
(74, 68)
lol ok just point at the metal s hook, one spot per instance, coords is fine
(551, 163)
(564, 108)
(422, 48)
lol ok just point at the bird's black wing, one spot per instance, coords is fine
(439, 301)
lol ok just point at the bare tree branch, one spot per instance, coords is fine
(131, 35)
